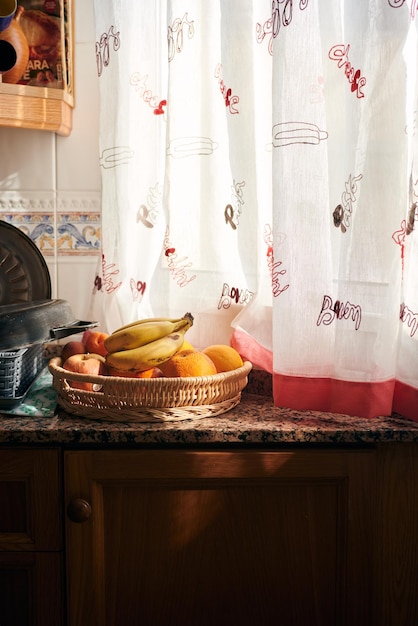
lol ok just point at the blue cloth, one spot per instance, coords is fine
(40, 400)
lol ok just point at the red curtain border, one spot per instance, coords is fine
(251, 350)
(405, 401)
(356, 399)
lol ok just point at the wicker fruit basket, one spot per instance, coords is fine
(148, 399)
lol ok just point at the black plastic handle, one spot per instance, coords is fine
(71, 329)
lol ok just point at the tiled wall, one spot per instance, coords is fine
(50, 185)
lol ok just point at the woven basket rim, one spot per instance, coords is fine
(56, 369)
(148, 399)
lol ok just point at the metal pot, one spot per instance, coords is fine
(38, 321)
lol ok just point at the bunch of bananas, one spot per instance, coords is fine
(146, 343)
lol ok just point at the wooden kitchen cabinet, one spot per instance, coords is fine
(159, 537)
(302, 535)
(30, 538)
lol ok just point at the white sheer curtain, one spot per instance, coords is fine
(259, 168)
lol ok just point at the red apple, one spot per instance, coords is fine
(72, 347)
(94, 342)
(90, 364)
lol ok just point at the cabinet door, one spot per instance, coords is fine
(225, 537)
(397, 535)
(30, 589)
(30, 538)
(30, 500)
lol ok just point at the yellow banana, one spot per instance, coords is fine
(150, 355)
(140, 333)
(153, 319)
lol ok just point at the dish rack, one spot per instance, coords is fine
(18, 370)
(162, 399)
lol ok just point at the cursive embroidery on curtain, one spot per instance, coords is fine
(175, 35)
(287, 133)
(406, 228)
(412, 217)
(396, 4)
(106, 282)
(103, 48)
(409, 318)
(233, 211)
(97, 286)
(399, 237)
(148, 213)
(140, 83)
(338, 311)
(117, 155)
(235, 295)
(339, 53)
(342, 212)
(230, 100)
(278, 18)
(181, 147)
(277, 273)
(178, 266)
(137, 289)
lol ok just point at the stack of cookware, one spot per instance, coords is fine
(29, 318)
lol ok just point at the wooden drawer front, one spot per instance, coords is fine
(30, 589)
(30, 510)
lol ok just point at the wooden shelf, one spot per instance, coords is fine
(38, 108)
(42, 107)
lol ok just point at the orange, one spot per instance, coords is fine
(224, 357)
(153, 372)
(187, 363)
(94, 342)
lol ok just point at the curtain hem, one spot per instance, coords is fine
(405, 401)
(357, 399)
(251, 350)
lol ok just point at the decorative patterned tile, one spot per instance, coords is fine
(70, 225)
(78, 233)
(78, 223)
(40, 227)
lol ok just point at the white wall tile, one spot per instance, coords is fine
(83, 21)
(75, 283)
(27, 159)
(52, 268)
(78, 155)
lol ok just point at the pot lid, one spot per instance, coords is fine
(24, 274)
(39, 321)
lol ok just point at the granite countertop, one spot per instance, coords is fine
(254, 421)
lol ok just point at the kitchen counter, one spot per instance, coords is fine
(254, 421)
(272, 489)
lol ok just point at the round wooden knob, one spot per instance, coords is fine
(79, 510)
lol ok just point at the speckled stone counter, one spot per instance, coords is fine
(255, 421)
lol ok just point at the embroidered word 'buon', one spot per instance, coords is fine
(409, 318)
(339, 310)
